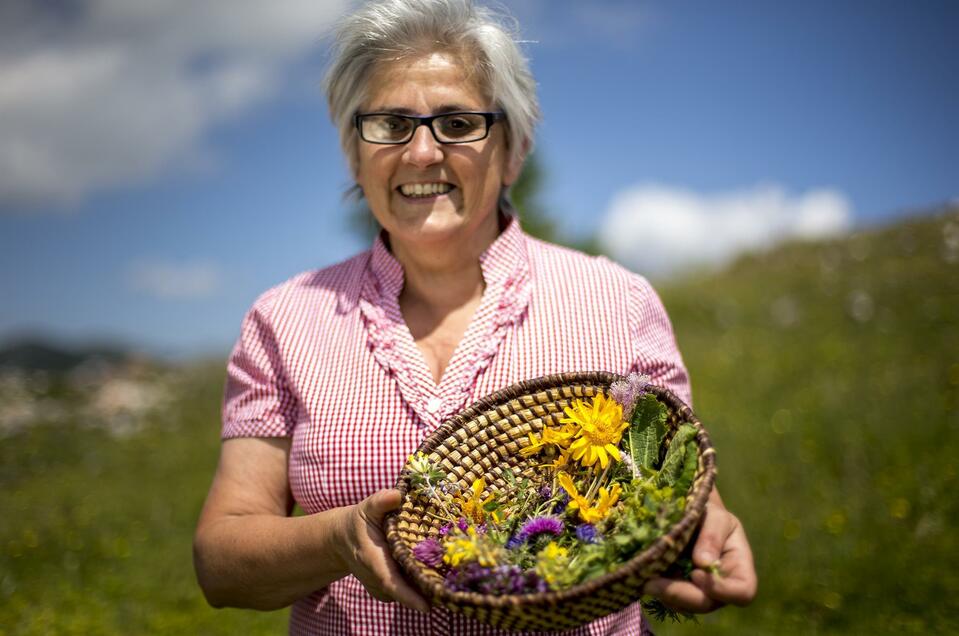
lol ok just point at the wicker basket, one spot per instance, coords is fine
(485, 439)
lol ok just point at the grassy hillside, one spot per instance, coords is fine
(828, 375)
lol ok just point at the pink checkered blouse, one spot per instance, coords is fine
(327, 359)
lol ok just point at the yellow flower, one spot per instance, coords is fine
(472, 506)
(471, 547)
(552, 562)
(536, 444)
(587, 511)
(599, 429)
(561, 462)
(558, 436)
(607, 499)
(460, 548)
(577, 500)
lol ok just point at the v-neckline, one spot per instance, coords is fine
(505, 270)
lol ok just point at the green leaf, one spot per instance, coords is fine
(646, 432)
(690, 465)
(674, 462)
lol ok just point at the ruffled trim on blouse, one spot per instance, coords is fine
(506, 272)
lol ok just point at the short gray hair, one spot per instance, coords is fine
(386, 30)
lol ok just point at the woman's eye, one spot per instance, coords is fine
(459, 125)
(395, 124)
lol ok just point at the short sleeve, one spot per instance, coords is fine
(257, 400)
(655, 352)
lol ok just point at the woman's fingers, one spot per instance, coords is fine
(375, 567)
(681, 595)
(724, 572)
(722, 551)
(718, 525)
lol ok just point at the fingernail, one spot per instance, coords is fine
(707, 557)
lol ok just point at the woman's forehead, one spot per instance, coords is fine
(433, 81)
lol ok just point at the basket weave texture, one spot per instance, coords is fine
(483, 441)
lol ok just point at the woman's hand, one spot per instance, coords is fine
(250, 553)
(368, 556)
(724, 572)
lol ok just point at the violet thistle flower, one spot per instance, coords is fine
(638, 383)
(462, 524)
(430, 552)
(540, 525)
(619, 391)
(627, 391)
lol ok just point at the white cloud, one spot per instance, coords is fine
(100, 93)
(657, 230)
(175, 281)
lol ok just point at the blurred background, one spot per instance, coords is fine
(785, 174)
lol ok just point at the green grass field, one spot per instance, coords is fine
(827, 374)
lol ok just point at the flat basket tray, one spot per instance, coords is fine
(483, 441)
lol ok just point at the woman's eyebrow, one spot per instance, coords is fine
(445, 108)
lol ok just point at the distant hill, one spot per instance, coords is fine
(37, 354)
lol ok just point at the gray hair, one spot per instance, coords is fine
(386, 30)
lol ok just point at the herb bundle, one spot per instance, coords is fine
(605, 485)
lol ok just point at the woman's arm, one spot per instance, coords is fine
(249, 553)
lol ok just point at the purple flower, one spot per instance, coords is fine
(545, 492)
(627, 391)
(501, 579)
(445, 530)
(462, 524)
(586, 533)
(560, 505)
(430, 552)
(535, 527)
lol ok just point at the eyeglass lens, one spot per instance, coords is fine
(457, 127)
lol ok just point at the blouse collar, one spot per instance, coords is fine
(499, 262)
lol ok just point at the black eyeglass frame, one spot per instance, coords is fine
(490, 118)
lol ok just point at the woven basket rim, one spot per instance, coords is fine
(692, 514)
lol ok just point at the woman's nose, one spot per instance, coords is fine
(423, 149)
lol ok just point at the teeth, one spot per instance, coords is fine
(424, 189)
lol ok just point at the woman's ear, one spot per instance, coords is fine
(514, 165)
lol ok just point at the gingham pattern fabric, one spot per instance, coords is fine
(327, 359)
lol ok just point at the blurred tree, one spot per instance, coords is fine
(525, 197)
(532, 213)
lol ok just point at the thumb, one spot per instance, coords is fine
(712, 537)
(379, 503)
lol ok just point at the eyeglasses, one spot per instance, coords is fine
(448, 128)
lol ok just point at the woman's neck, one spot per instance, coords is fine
(441, 280)
(444, 276)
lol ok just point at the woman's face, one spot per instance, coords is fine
(473, 172)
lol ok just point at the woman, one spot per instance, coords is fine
(340, 373)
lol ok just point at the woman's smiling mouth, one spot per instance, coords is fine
(425, 190)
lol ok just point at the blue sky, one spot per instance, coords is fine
(163, 168)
